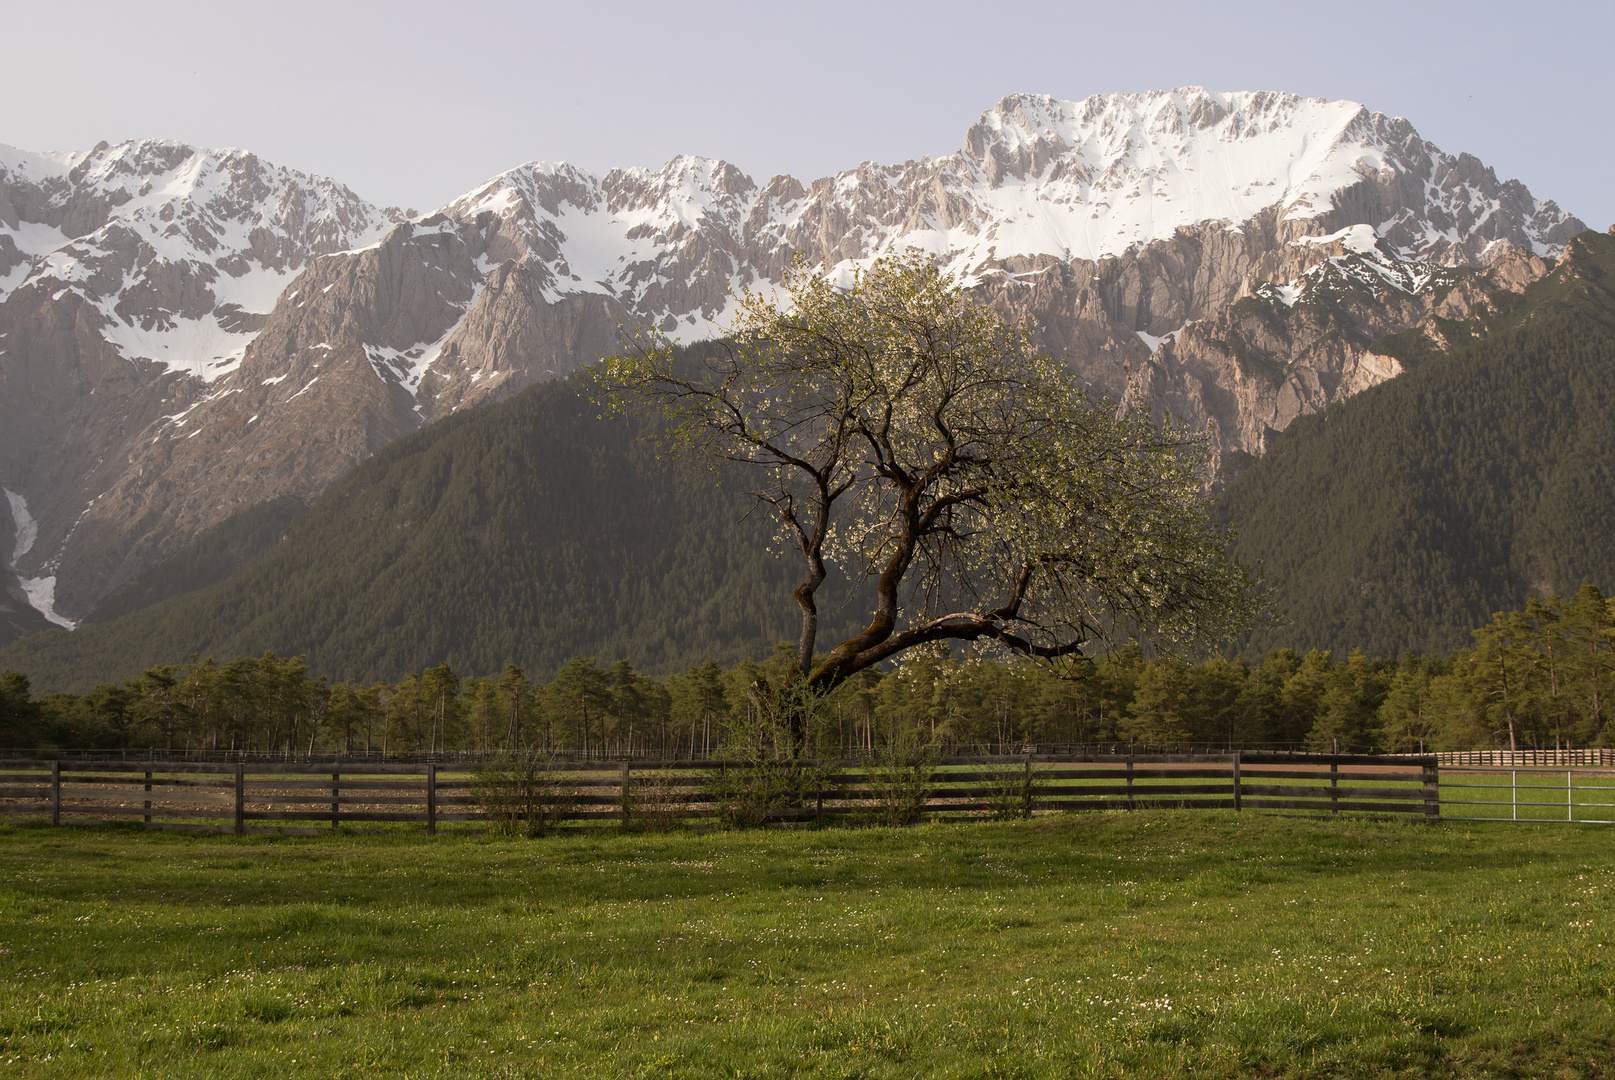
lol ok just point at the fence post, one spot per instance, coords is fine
(1432, 789)
(241, 799)
(1570, 805)
(1130, 782)
(431, 799)
(148, 796)
(336, 796)
(1237, 804)
(1334, 787)
(627, 803)
(56, 793)
(1514, 794)
(1026, 786)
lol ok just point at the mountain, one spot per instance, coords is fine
(1483, 477)
(528, 531)
(187, 333)
(132, 280)
(532, 530)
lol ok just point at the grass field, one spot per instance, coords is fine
(1150, 944)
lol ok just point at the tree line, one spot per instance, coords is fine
(1537, 677)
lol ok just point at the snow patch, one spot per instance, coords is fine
(1154, 343)
(199, 347)
(27, 529)
(41, 593)
(1361, 239)
(303, 391)
(1289, 294)
(408, 367)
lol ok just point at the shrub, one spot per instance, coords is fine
(900, 783)
(522, 793)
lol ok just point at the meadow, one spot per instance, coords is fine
(1156, 943)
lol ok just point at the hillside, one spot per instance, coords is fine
(1406, 515)
(529, 531)
(185, 333)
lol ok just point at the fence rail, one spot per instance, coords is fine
(301, 798)
(1586, 757)
(1547, 796)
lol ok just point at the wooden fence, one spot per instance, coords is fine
(1582, 758)
(289, 798)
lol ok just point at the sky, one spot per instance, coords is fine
(412, 104)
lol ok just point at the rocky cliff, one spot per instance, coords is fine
(184, 332)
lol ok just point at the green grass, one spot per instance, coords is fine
(1528, 794)
(1150, 944)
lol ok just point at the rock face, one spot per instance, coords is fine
(132, 279)
(1281, 351)
(184, 333)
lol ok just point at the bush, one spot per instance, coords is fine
(752, 793)
(655, 801)
(900, 781)
(1012, 785)
(521, 793)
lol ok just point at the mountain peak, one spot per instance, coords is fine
(182, 328)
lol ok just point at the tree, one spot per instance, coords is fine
(1589, 627)
(899, 431)
(19, 713)
(514, 695)
(158, 704)
(1347, 709)
(1499, 670)
(440, 689)
(580, 697)
(698, 702)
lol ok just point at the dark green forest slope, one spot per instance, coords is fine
(530, 532)
(1404, 516)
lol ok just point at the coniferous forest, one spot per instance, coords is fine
(1406, 515)
(529, 532)
(1535, 678)
(489, 552)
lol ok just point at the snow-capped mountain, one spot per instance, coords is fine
(180, 251)
(131, 278)
(183, 333)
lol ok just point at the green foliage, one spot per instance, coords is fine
(522, 793)
(900, 432)
(1407, 514)
(1537, 677)
(1011, 788)
(19, 713)
(212, 557)
(528, 532)
(899, 778)
(773, 746)
(750, 794)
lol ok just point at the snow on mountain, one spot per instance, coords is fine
(1364, 261)
(187, 332)
(1037, 177)
(177, 249)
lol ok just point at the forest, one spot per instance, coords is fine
(1405, 515)
(533, 531)
(1537, 677)
(528, 531)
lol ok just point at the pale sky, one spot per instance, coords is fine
(414, 103)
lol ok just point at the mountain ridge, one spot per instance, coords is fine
(1402, 518)
(392, 321)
